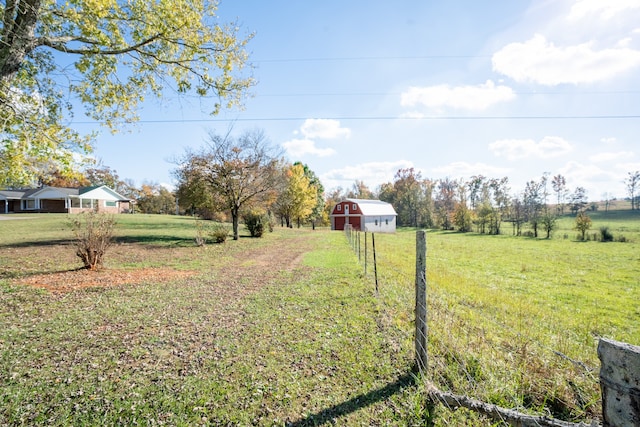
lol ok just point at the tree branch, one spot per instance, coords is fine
(60, 44)
(514, 418)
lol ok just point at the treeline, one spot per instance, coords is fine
(481, 204)
(233, 177)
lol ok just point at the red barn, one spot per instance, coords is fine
(364, 215)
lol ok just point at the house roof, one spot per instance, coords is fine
(12, 194)
(373, 207)
(101, 192)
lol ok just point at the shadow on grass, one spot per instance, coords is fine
(147, 240)
(356, 403)
(38, 243)
(23, 275)
(155, 240)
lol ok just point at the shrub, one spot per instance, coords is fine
(219, 233)
(255, 223)
(605, 234)
(583, 224)
(200, 238)
(93, 235)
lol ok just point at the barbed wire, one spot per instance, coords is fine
(457, 332)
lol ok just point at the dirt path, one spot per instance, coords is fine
(244, 273)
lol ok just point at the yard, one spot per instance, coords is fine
(287, 329)
(259, 331)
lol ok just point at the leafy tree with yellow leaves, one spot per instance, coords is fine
(298, 196)
(103, 57)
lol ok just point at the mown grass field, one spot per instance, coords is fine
(287, 330)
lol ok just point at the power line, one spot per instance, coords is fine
(309, 94)
(368, 58)
(385, 118)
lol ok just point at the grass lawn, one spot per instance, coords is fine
(272, 331)
(288, 330)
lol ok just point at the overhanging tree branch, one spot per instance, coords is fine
(60, 44)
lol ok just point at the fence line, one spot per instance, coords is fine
(388, 274)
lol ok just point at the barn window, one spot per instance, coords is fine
(354, 207)
(386, 222)
(376, 222)
(339, 207)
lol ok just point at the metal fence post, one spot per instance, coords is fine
(421, 301)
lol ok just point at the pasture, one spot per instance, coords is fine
(288, 330)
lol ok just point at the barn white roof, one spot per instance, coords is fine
(374, 207)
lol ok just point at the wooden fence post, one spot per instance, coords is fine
(421, 301)
(620, 383)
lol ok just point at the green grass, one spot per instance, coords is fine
(313, 345)
(304, 349)
(514, 320)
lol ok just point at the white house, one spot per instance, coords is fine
(373, 216)
(63, 200)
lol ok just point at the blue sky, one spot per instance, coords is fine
(358, 89)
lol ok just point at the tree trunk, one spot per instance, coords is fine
(234, 217)
(18, 39)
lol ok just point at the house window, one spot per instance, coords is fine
(75, 203)
(339, 208)
(85, 203)
(109, 204)
(29, 204)
(354, 207)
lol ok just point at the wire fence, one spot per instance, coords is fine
(474, 352)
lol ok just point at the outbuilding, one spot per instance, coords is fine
(374, 216)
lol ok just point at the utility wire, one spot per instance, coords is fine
(387, 118)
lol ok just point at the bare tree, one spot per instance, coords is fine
(578, 199)
(533, 200)
(633, 182)
(237, 171)
(559, 184)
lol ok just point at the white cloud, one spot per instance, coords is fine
(373, 174)
(540, 61)
(324, 129)
(610, 156)
(609, 140)
(466, 170)
(625, 168)
(301, 147)
(477, 97)
(169, 187)
(593, 178)
(514, 149)
(605, 9)
(313, 129)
